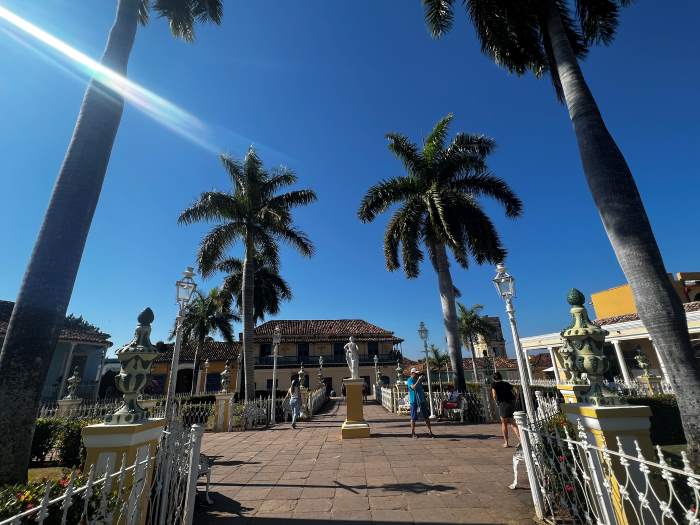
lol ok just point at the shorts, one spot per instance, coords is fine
(506, 409)
(414, 410)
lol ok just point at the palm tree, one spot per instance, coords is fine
(258, 216)
(204, 315)
(545, 37)
(438, 359)
(439, 209)
(270, 288)
(471, 326)
(48, 282)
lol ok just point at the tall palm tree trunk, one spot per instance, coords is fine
(449, 314)
(627, 225)
(248, 320)
(48, 282)
(471, 347)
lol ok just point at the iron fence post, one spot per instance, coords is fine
(522, 420)
(193, 473)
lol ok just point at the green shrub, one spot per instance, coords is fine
(46, 435)
(666, 425)
(71, 451)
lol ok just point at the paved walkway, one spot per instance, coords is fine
(309, 475)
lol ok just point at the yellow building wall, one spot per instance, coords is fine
(618, 301)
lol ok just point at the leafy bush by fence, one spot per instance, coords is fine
(62, 436)
(666, 425)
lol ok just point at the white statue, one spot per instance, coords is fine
(353, 358)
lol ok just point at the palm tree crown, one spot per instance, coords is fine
(513, 33)
(472, 325)
(182, 14)
(207, 314)
(438, 198)
(270, 288)
(254, 213)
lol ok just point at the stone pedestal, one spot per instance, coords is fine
(108, 443)
(222, 421)
(68, 407)
(355, 425)
(651, 384)
(603, 426)
(572, 393)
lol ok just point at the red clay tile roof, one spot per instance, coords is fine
(689, 307)
(212, 350)
(67, 334)
(324, 330)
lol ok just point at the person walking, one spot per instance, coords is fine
(416, 399)
(294, 394)
(505, 396)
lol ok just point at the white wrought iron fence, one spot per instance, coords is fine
(574, 480)
(387, 398)
(127, 494)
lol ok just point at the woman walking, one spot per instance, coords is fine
(294, 394)
(505, 396)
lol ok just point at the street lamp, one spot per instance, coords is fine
(423, 334)
(505, 286)
(276, 340)
(376, 369)
(185, 287)
(206, 373)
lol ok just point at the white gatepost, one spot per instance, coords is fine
(621, 361)
(521, 421)
(193, 473)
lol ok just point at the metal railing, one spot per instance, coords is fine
(327, 359)
(126, 494)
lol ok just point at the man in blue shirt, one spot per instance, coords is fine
(416, 398)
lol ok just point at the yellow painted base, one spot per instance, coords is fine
(355, 425)
(353, 429)
(572, 393)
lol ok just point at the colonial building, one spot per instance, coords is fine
(77, 347)
(303, 342)
(495, 344)
(307, 341)
(616, 312)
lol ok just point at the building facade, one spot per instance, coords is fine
(303, 343)
(309, 342)
(616, 312)
(77, 347)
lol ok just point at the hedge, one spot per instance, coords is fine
(62, 435)
(666, 425)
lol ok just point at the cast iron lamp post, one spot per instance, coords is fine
(423, 333)
(206, 373)
(185, 288)
(505, 286)
(276, 339)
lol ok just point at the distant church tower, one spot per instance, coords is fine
(494, 346)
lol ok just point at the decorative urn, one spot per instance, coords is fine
(135, 359)
(583, 353)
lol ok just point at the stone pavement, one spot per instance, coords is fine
(309, 475)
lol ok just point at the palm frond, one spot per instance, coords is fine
(480, 234)
(215, 243)
(211, 206)
(491, 186)
(439, 16)
(144, 6)
(598, 20)
(434, 144)
(384, 194)
(292, 199)
(234, 168)
(297, 239)
(279, 178)
(208, 10)
(407, 152)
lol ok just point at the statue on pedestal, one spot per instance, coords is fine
(353, 358)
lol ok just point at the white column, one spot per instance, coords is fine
(66, 370)
(664, 374)
(527, 365)
(550, 349)
(621, 361)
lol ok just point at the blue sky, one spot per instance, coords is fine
(316, 85)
